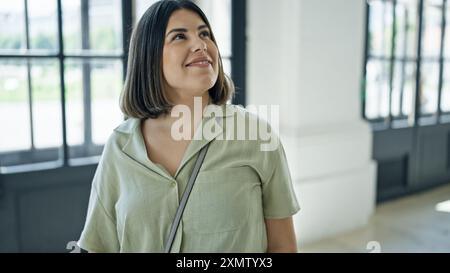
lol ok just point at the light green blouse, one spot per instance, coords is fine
(133, 200)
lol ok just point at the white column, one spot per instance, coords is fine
(307, 56)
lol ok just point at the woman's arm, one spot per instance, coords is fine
(281, 235)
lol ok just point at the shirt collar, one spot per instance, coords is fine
(134, 147)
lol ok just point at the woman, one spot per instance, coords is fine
(242, 200)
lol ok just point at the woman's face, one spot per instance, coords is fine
(190, 57)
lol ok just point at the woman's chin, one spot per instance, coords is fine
(199, 92)
(205, 84)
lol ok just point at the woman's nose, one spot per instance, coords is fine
(199, 45)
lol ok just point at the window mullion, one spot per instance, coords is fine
(238, 49)
(127, 24)
(383, 53)
(366, 59)
(86, 72)
(65, 153)
(405, 50)
(27, 29)
(441, 58)
(391, 62)
(417, 110)
(30, 87)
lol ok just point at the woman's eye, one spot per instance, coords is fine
(205, 34)
(178, 36)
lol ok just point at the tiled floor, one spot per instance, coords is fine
(410, 224)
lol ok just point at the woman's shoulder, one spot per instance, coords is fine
(121, 134)
(259, 125)
(251, 113)
(127, 126)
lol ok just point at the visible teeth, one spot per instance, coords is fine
(202, 62)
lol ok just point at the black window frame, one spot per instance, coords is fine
(31, 160)
(55, 157)
(419, 118)
(239, 49)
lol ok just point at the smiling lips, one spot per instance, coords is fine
(200, 62)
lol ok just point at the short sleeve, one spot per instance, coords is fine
(100, 231)
(279, 199)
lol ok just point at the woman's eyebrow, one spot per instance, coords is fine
(185, 30)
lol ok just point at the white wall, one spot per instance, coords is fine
(307, 56)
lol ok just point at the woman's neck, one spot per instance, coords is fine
(192, 106)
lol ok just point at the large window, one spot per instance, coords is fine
(61, 72)
(62, 65)
(408, 48)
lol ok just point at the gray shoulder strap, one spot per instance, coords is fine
(185, 197)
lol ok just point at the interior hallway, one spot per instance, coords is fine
(410, 224)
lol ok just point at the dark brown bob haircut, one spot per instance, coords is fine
(143, 94)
